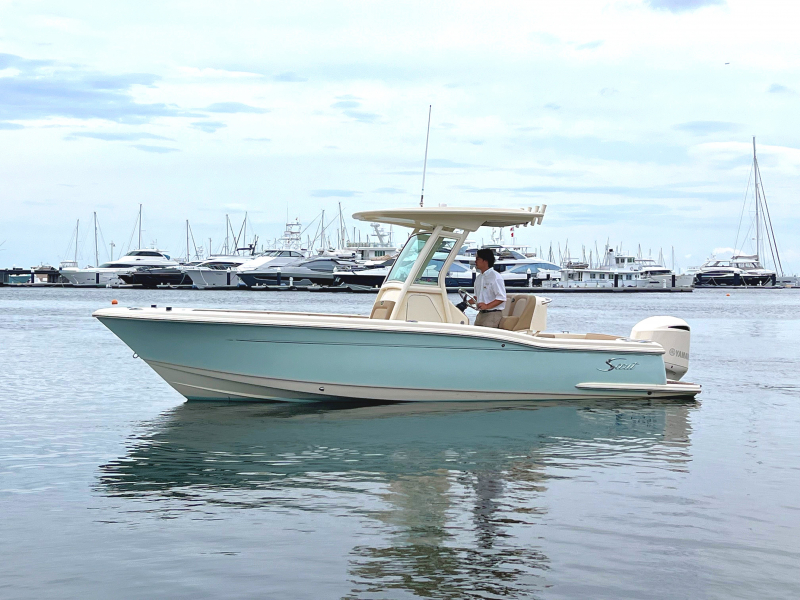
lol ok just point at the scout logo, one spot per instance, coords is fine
(614, 364)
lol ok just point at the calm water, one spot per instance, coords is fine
(112, 486)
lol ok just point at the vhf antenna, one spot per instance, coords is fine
(425, 163)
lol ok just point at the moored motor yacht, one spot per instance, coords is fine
(319, 270)
(618, 270)
(412, 343)
(458, 275)
(154, 277)
(738, 270)
(264, 261)
(216, 272)
(108, 274)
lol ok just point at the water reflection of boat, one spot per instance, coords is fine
(449, 490)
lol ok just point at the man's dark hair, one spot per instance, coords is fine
(486, 254)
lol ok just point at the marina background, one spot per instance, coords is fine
(632, 120)
(112, 486)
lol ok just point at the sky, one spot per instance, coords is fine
(631, 120)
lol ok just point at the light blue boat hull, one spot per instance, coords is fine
(218, 361)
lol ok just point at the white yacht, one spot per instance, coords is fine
(516, 268)
(107, 274)
(458, 275)
(652, 274)
(217, 272)
(619, 270)
(411, 344)
(265, 262)
(738, 270)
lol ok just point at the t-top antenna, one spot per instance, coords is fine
(425, 163)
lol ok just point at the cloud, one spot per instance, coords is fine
(389, 190)
(11, 61)
(346, 104)
(334, 193)
(210, 73)
(261, 139)
(444, 163)
(115, 137)
(607, 91)
(544, 37)
(290, 77)
(777, 88)
(654, 192)
(590, 45)
(208, 126)
(595, 148)
(4, 125)
(548, 172)
(362, 116)
(41, 89)
(234, 107)
(707, 127)
(677, 6)
(571, 214)
(552, 106)
(155, 149)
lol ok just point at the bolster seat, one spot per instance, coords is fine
(518, 312)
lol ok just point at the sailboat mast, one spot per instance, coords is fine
(764, 214)
(227, 227)
(77, 225)
(140, 226)
(96, 254)
(425, 162)
(187, 241)
(758, 201)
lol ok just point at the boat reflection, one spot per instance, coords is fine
(451, 491)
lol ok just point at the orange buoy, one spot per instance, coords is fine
(115, 302)
(725, 294)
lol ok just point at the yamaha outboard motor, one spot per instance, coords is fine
(673, 334)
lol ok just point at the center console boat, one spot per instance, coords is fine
(414, 343)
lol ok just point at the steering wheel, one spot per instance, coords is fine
(467, 297)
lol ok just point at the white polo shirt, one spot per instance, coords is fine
(489, 286)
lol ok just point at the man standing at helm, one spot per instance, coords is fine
(490, 290)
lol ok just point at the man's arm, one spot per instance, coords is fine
(489, 305)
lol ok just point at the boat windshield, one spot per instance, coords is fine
(429, 273)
